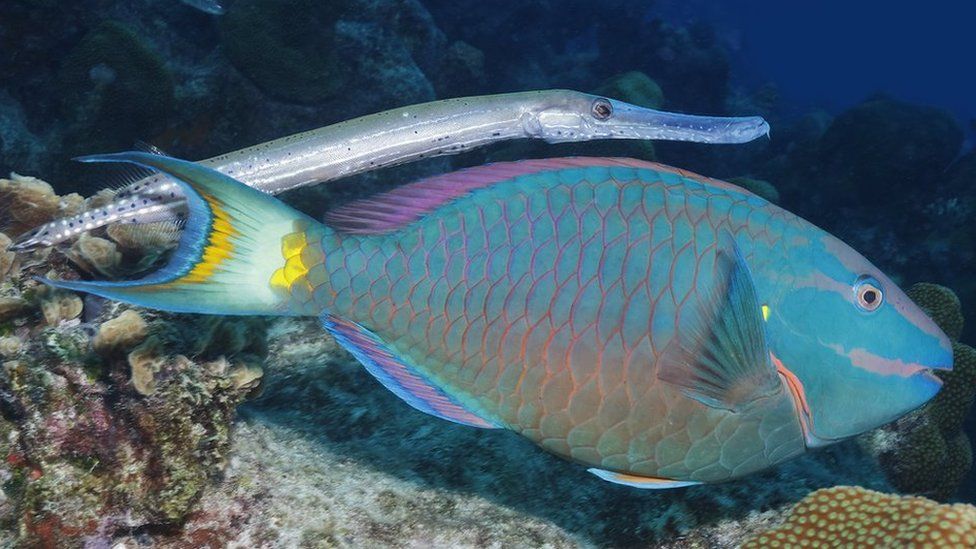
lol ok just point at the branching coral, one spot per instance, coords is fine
(851, 516)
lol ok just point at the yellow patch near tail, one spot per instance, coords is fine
(219, 244)
(293, 246)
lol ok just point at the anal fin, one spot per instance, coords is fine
(403, 379)
(645, 483)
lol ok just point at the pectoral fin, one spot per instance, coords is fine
(719, 356)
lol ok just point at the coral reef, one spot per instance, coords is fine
(927, 452)
(885, 149)
(110, 420)
(850, 516)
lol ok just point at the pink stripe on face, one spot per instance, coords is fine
(875, 364)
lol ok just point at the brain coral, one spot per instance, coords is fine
(851, 516)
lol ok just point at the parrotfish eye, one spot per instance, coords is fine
(868, 293)
(602, 109)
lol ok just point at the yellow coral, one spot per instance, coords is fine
(121, 332)
(851, 516)
(95, 254)
(145, 361)
(246, 375)
(59, 306)
(28, 202)
(10, 346)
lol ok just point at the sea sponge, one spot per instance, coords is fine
(59, 306)
(123, 331)
(95, 255)
(851, 516)
(26, 203)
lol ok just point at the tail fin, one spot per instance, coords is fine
(230, 249)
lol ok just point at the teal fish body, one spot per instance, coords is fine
(659, 327)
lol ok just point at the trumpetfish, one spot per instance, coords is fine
(656, 326)
(403, 135)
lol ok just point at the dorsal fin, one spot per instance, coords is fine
(397, 208)
(397, 375)
(142, 146)
(719, 356)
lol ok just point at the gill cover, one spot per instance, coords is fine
(229, 251)
(861, 360)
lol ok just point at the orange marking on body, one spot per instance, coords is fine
(799, 395)
(635, 479)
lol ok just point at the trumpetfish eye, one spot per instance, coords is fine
(602, 109)
(868, 293)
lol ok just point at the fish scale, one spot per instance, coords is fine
(547, 367)
(662, 328)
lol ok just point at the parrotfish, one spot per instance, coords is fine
(658, 327)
